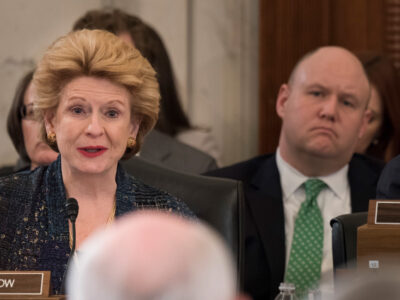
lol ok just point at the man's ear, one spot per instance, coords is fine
(282, 99)
(366, 118)
(49, 120)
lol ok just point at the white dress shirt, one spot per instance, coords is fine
(332, 201)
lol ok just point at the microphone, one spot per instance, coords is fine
(72, 208)
(72, 212)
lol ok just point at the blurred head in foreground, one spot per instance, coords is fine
(153, 256)
(370, 285)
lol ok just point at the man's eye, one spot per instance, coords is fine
(316, 93)
(347, 103)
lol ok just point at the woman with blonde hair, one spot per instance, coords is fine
(97, 97)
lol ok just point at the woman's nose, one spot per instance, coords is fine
(95, 125)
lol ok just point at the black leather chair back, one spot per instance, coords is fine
(217, 201)
(344, 239)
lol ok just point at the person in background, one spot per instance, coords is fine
(172, 120)
(24, 130)
(314, 176)
(382, 136)
(154, 256)
(97, 97)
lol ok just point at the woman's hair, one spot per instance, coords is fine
(172, 118)
(384, 76)
(14, 118)
(101, 54)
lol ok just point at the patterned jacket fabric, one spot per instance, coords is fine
(34, 232)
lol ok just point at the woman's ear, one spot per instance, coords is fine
(135, 125)
(49, 119)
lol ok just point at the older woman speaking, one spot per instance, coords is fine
(96, 97)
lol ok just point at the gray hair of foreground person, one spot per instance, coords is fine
(370, 284)
(153, 256)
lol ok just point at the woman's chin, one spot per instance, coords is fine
(94, 169)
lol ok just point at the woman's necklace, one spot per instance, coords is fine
(111, 217)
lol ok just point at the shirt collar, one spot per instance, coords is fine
(293, 178)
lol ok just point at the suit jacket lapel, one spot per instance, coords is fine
(265, 201)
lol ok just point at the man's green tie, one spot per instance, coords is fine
(304, 267)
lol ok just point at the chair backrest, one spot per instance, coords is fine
(217, 201)
(344, 239)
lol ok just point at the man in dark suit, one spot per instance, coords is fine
(324, 111)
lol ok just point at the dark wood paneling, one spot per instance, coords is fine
(358, 24)
(288, 30)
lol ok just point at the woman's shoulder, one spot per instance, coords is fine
(145, 196)
(21, 182)
(17, 194)
(159, 199)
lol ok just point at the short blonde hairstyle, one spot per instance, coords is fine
(101, 54)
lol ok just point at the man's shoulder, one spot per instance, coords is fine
(361, 162)
(244, 170)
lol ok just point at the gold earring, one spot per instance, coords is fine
(131, 143)
(51, 138)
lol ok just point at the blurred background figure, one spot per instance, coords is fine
(172, 119)
(382, 137)
(24, 130)
(154, 256)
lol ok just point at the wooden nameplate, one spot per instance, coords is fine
(384, 212)
(25, 285)
(378, 242)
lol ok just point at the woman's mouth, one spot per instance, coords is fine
(92, 151)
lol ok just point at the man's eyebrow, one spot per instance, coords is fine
(317, 86)
(349, 95)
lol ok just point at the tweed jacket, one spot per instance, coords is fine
(34, 231)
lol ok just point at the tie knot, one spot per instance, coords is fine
(313, 187)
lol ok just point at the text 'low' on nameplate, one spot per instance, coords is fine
(20, 283)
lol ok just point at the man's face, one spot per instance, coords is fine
(324, 107)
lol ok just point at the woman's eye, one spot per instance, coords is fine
(77, 110)
(112, 113)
